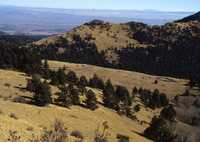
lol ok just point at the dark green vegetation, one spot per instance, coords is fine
(41, 90)
(13, 55)
(173, 51)
(78, 52)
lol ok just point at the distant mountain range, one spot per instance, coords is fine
(44, 21)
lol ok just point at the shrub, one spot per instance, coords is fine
(91, 100)
(56, 134)
(7, 85)
(101, 133)
(13, 137)
(122, 138)
(13, 115)
(78, 135)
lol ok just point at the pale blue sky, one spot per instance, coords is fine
(162, 5)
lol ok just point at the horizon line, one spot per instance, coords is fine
(139, 10)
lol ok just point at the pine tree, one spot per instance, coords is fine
(72, 77)
(54, 78)
(75, 96)
(96, 82)
(46, 70)
(33, 83)
(91, 100)
(168, 113)
(108, 95)
(122, 94)
(61, 76)
(42, 94)
(83, 82)
(64, 98)
(159, 131)
(134, 92)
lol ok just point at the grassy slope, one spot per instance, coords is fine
(168, 85)
(110, 36)
(76, 118)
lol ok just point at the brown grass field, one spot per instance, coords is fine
(29, 119)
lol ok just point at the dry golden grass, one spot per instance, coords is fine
(168, 85)
(31, 119)
(111, 36)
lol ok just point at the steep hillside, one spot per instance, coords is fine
(28, 119)
(195, 17)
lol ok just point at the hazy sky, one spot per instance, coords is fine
(163, 5)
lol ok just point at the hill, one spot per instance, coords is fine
(194, 17)
(103, 35)
(28, 119)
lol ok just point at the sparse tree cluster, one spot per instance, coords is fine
(117, 98)
(153, 99)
